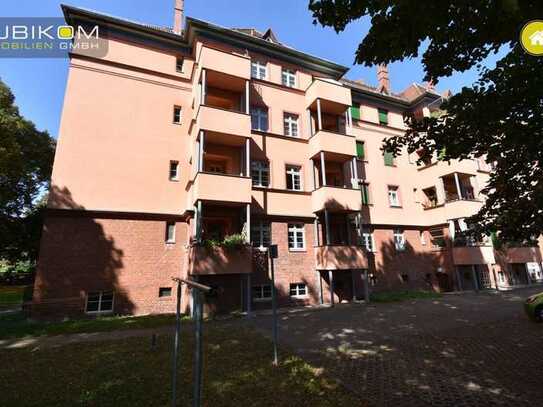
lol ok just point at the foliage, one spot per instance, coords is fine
(237, 371)
(11, 296)
(500, 116)
(233, 241)
(26, 158)
(395, 296)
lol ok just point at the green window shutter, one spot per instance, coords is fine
(383, 116)
(360, 149)
(355, 112)
(389, 158)
(365, 194)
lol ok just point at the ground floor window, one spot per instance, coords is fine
(99, 302)
(298, 290)
(165, 292)
(262, 292)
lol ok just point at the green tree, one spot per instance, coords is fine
(26, 158)
(500, 116)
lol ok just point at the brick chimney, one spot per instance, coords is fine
(382, 78)
(178, 16)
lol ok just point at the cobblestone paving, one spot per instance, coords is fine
(462, 350)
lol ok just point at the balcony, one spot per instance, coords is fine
(225, 62)
(218, 120)
(221, 188)
(336, 199)
(332, 142)
(330, 92)
(220, 260)
(473, 255)
(523, 255)
(340, 258)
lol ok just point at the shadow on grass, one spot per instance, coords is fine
(237, 371)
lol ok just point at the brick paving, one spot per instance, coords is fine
(461, 350)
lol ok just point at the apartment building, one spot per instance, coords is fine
(186, 152)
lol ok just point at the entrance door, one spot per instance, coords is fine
(519, 274)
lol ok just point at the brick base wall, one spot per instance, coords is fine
(129, 256)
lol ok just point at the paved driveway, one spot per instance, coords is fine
(461, 350)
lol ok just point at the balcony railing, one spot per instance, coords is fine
(340, 258)
(221, 188)
(224, 121)
(328, 90)
(225, 62)
(331, 142)
(205, 260)
(336, 199)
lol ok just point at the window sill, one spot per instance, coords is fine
(396, 206)
(262, 299)
(297, 250)
(172, 242)
(177, 123)
(174, 180)
(99, 312)
(299, 297)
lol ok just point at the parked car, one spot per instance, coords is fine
(534, 307)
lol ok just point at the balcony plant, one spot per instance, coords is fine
(234, 241)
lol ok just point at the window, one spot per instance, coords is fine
(360, 153)
(258, 70)
(389, 158)
(170, 232)
(177, 114)
(99, 302)
(437, 238)
(260, 173)
(259, 119)
(298, 290)
(367, 240)
(164, 292)
(174, 170)
(393, 196)
(288, 78)
(399, 240)
(290, 124)
(501, 276)
(294, 178)
(296, 236)
(260, 234)
(262, 292)
(365, 188)
(405, 278)
(422, 238)
(383, 116)
(179, 62)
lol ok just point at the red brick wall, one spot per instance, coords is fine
(83, 254)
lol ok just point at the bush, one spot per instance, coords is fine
(229, 242)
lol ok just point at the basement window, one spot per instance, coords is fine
(99, 302)
(164, 292)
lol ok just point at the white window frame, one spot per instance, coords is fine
(261, 228)
(288, 77)
(174, 170)
(100, 297)
(259, 70)
(399, 240)
(175, 108)
(258, 168)
(368, 240)
(298, 288)
(260, 115)
(259, 290)
(292, 171)
(297, 230)
(394, 196)
(290, 124)
(168, 226)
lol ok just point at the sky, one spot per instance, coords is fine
(39, 83)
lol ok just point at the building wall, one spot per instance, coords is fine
(128, 255)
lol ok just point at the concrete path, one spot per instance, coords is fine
(460, 350)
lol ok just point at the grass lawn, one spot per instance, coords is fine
(402, 296)
(11, 296)
(237, 372)
(16, 325)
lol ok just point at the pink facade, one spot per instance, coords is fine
(172, 140)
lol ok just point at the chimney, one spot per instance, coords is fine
(178, 17)
(382, 78)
